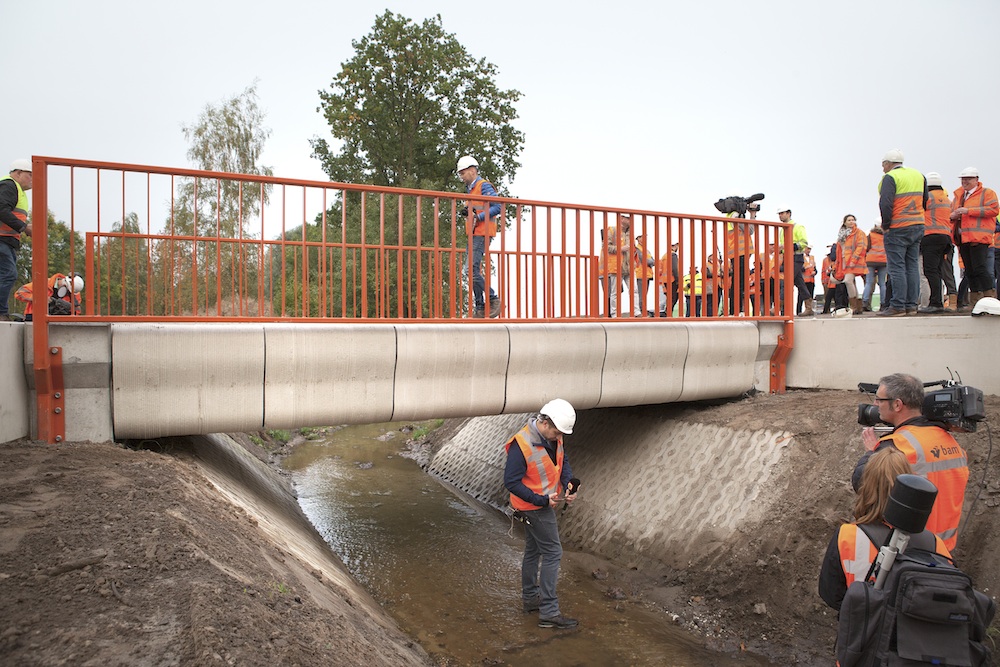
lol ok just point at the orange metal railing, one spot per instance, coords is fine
(163, 244)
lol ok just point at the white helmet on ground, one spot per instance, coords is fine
(987, 305)
(561, 414)
(843, 313)
(465, 162)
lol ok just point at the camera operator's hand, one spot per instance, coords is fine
(869, 438)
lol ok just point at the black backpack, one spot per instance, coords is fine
(926, 613)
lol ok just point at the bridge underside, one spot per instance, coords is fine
(152, 380)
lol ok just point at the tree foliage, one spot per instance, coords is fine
(409, 103)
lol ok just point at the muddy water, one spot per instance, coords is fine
(448, 570)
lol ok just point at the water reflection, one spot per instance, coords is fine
(448, 570)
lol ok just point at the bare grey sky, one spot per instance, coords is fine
(662, 106)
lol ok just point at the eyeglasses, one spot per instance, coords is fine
(887, 398)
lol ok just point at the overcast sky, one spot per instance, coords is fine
(665, 106)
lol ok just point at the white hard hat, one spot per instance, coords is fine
(895, 155)
(933, 178)
(969, 171)
(783, 209)
(465, 162)
(20, 165)
(843, 313)
(987, 305)
(561, 414)
(77, 283)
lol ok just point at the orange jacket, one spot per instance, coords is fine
(542, 475)
(935, 454)
(876, 249)
(25, 295)
(615, 248)
(739, 240)
(485, 227)
(851, 254)
(979, 221)
(829, 282)
(857, 553)
(643, 262)
(937, 218)
(908, 203)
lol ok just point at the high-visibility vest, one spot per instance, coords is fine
(738, 239)
(937, 217)
(851, 253)
(641, 260)
(25, 295)
(876, 249)
(20, 210)
(934, 454)
(798, 238)
(542, 475)
(666, 268)
(980, 220)
(694, 289)
(857, 553)
(487, 226)
(809, 268)
(829, 282)
(611, 261)
(908, 206)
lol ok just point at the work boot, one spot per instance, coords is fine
(950, 303)
(559, 621)
(495, 306)
(856, 306)
(866, 306)
(479, 313)
(930, 310)
(891, 312)
(808, 308)
(4, 317)
(992, 293)
(974, 298)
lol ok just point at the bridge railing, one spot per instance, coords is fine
(164, 244)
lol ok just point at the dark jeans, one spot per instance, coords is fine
(541, 543)
(8, 275)
(934, 247)
(478, 245)
(974, 257)
(800, 281)
(902, 250)
(948, 271)
(738, 286)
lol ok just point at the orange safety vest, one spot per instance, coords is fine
(851, 254)
(857, 553)
(937, 217)
(829, 282)
(908, 205)
(980, 220)
(610, 261)
(20, 210)
(739, 242)
(936, 455)
(809, 268)
(542, 475)
(876, 249)
(641, 261)
(485, 227)
(25, 295)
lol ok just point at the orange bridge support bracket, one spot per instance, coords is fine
(51, 397)
(780, 357)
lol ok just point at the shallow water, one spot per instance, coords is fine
(448, 570)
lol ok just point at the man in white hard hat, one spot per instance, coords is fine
(480, 227)
(538, 477)
(902, 200)
(974, 213)
(13, 223)
(799, 243)
(937, 240)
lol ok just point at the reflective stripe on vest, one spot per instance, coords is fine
(908, 206)
(856, 552)
(20, 210)
(876, 253)
(937, 217)
(542, 476)
(738, 240)
(486, 227)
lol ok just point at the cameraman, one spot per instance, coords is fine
(931, 450)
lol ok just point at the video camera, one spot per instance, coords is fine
(957, 407)
(739, 205)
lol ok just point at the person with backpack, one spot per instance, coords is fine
(855, 545)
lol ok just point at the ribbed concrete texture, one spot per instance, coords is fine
(654, 486)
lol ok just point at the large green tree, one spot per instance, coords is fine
(409, 103)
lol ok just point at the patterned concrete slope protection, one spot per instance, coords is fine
(655, 486)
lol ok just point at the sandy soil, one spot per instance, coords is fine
(114, 556)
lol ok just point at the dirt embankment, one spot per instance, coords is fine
(121, 557)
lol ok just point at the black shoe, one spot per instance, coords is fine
(559, 621)
(892, 312)
(495, 306)
(930, 310)
(532, 604)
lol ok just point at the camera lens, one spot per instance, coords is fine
(868, 415)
